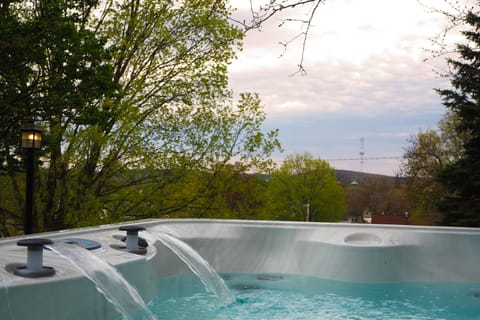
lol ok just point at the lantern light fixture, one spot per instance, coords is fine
(31, 135)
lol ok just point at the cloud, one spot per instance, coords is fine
(379, 85)
(365, 78)
(384, 100)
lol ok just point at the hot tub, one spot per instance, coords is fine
(349, 253)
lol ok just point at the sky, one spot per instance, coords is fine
(366, 78)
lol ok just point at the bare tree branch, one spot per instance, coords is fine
(455, 12)
(259, 16)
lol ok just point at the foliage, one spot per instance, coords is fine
(423, 159)
(230, 193)
(53, 69)
(382, 194)
(304, 183)
(356, 202)
(461, 178)
(133, 99)
(427, 155)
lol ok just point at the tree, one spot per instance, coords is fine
(356, 202)
(304, 185)
(133, 98)
(385, 195)
(461, 178)
(53, 69)
(423, 159)
(427, 155)
(235, 194)
(455, 13)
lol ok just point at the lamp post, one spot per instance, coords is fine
(307, 218)
(31, 140)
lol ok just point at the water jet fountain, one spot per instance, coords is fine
(34, 267)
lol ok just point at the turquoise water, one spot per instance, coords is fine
(288, 297)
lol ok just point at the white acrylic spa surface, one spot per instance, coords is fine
(340, 252)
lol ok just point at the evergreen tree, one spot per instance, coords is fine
(461, 207)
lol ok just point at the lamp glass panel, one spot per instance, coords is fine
(31, 140)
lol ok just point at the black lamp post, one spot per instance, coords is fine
(31, 140)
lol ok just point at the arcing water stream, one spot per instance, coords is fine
(209, 277)
(107, 279)
(124, 297)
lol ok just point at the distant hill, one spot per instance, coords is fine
(345, 177)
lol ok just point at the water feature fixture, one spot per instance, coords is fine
(116, 289)
(108, 281)
(34, 267)
(199, 266)
(132, 240)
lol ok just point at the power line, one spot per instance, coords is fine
(365, 158)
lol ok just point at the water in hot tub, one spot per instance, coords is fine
(288, 297)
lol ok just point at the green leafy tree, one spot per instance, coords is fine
(462, 177)
(385, 195)
(423, 159)
(133, 98)
(230, 193)
(302, 185)
(356, 202)
(426, 156)
(53, 69)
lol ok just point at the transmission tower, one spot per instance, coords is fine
(362, 153)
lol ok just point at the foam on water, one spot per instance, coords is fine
(297, 297)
